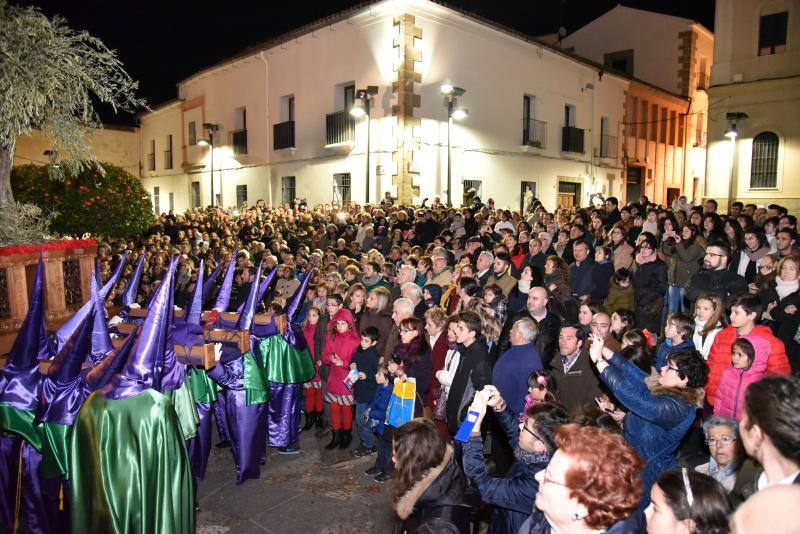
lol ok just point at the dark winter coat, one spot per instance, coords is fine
(658, 418)
(602, 278)
(366, 362)
(580, 385)
(511, 496)
(650, 287)
(784, 325)
(581, 277)
(474, 371)
(724, 283)
(635, 524)
(511, 371)
(666, 348)
(546, 341)
(684, 261)
(379, 405)
(441, 501)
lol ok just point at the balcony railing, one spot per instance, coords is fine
(571, 139)
(151, 162)
(534, 133)
(703, 81)
(168, 159)
(339, 128)
(283, 135)
(608, 146)
(239, 141)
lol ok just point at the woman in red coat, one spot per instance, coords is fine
(340, 346)
(435, 323)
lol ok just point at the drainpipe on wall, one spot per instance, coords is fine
(266, 104)
(685, 155)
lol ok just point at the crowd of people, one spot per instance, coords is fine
(622, 368)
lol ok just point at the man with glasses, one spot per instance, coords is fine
(533, 441)
(715, 276)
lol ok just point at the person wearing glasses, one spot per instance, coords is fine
(533, 441)
(715, 277)
(722, 437)
(592, 484)
(661, 408)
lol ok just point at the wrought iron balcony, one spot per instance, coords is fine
(534, 133)
(703, 81)
(339, 127)
(608, 146)
(571, 139)
(283, 135)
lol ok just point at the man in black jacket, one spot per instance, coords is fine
(581, 273)
(474, 369)
(715, 276)
(612, 212)
(549, 325)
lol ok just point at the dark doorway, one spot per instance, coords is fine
(672, 194)
(633, 184)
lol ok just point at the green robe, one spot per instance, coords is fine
(129, 467)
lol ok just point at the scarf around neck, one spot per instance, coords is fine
(785, 288)
(641, 260)
(371, 280)
(758, 254)
(720, 475)
(530, 457)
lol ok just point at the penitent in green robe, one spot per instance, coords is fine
(129, 467)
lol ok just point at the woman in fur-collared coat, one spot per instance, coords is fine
(430, 492)
(661, 407)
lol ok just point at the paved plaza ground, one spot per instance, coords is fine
(315, 491)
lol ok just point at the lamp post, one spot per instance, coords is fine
(361, 108)
(732, 132)
(212, 128)
(451, 95)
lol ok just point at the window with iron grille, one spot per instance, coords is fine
(772, 33)
(195, 195)
(157, 200)
(288, 189)
(168, 153)
(171, 201)
(341, 188)
(151, 157)
(241, 195)
(473, 184)
(764, 161)
(192, 133)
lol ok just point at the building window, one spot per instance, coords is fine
(534, 132)
(239, 134)
(349, 97)
(608, 142)
(341, 188)
(663, 123)
(168, 153)
(772, 33)
(288, 190)
(192, 133)
(241, 195)
(172, 202)
(151, 157)
(569, 115)
(157, 200)
(673, 127)
(473, 184)
(643, 120)
(654, 123)
(632, 126)
(621, 61)
(195, 195)
(699, 132)
(764, 161)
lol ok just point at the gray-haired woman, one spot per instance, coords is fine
(722, 438)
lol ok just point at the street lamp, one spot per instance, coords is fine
(212, 128)
(451, 95)
(731, 132)
(361, 108)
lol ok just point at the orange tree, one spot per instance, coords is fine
(111, 203)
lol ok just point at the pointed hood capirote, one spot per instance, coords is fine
(171, 370)
(62, 391)
(224, 295)
(129, 297)
(249, 310)
(294, 332)
(20, 377)
(265, 284)
(101, 340)
(101, 374)
(142, 370)
(195, 310)
(66, 330)
(208, 285)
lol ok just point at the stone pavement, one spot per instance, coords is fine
(315, 491)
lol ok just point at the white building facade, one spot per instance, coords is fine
(755, 90)
(285, 130)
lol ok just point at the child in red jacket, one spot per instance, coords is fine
(313, 388)
(340, 346)
(749, 355)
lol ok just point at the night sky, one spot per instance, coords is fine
(162, 42)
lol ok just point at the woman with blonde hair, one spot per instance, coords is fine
(376, 313)
(490, 327)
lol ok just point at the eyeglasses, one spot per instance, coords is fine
(724, 440)
(715, 254)
(547, 478)
(531, 432)
(674, 369)
(406, 330)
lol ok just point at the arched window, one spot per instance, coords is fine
(764, 162)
